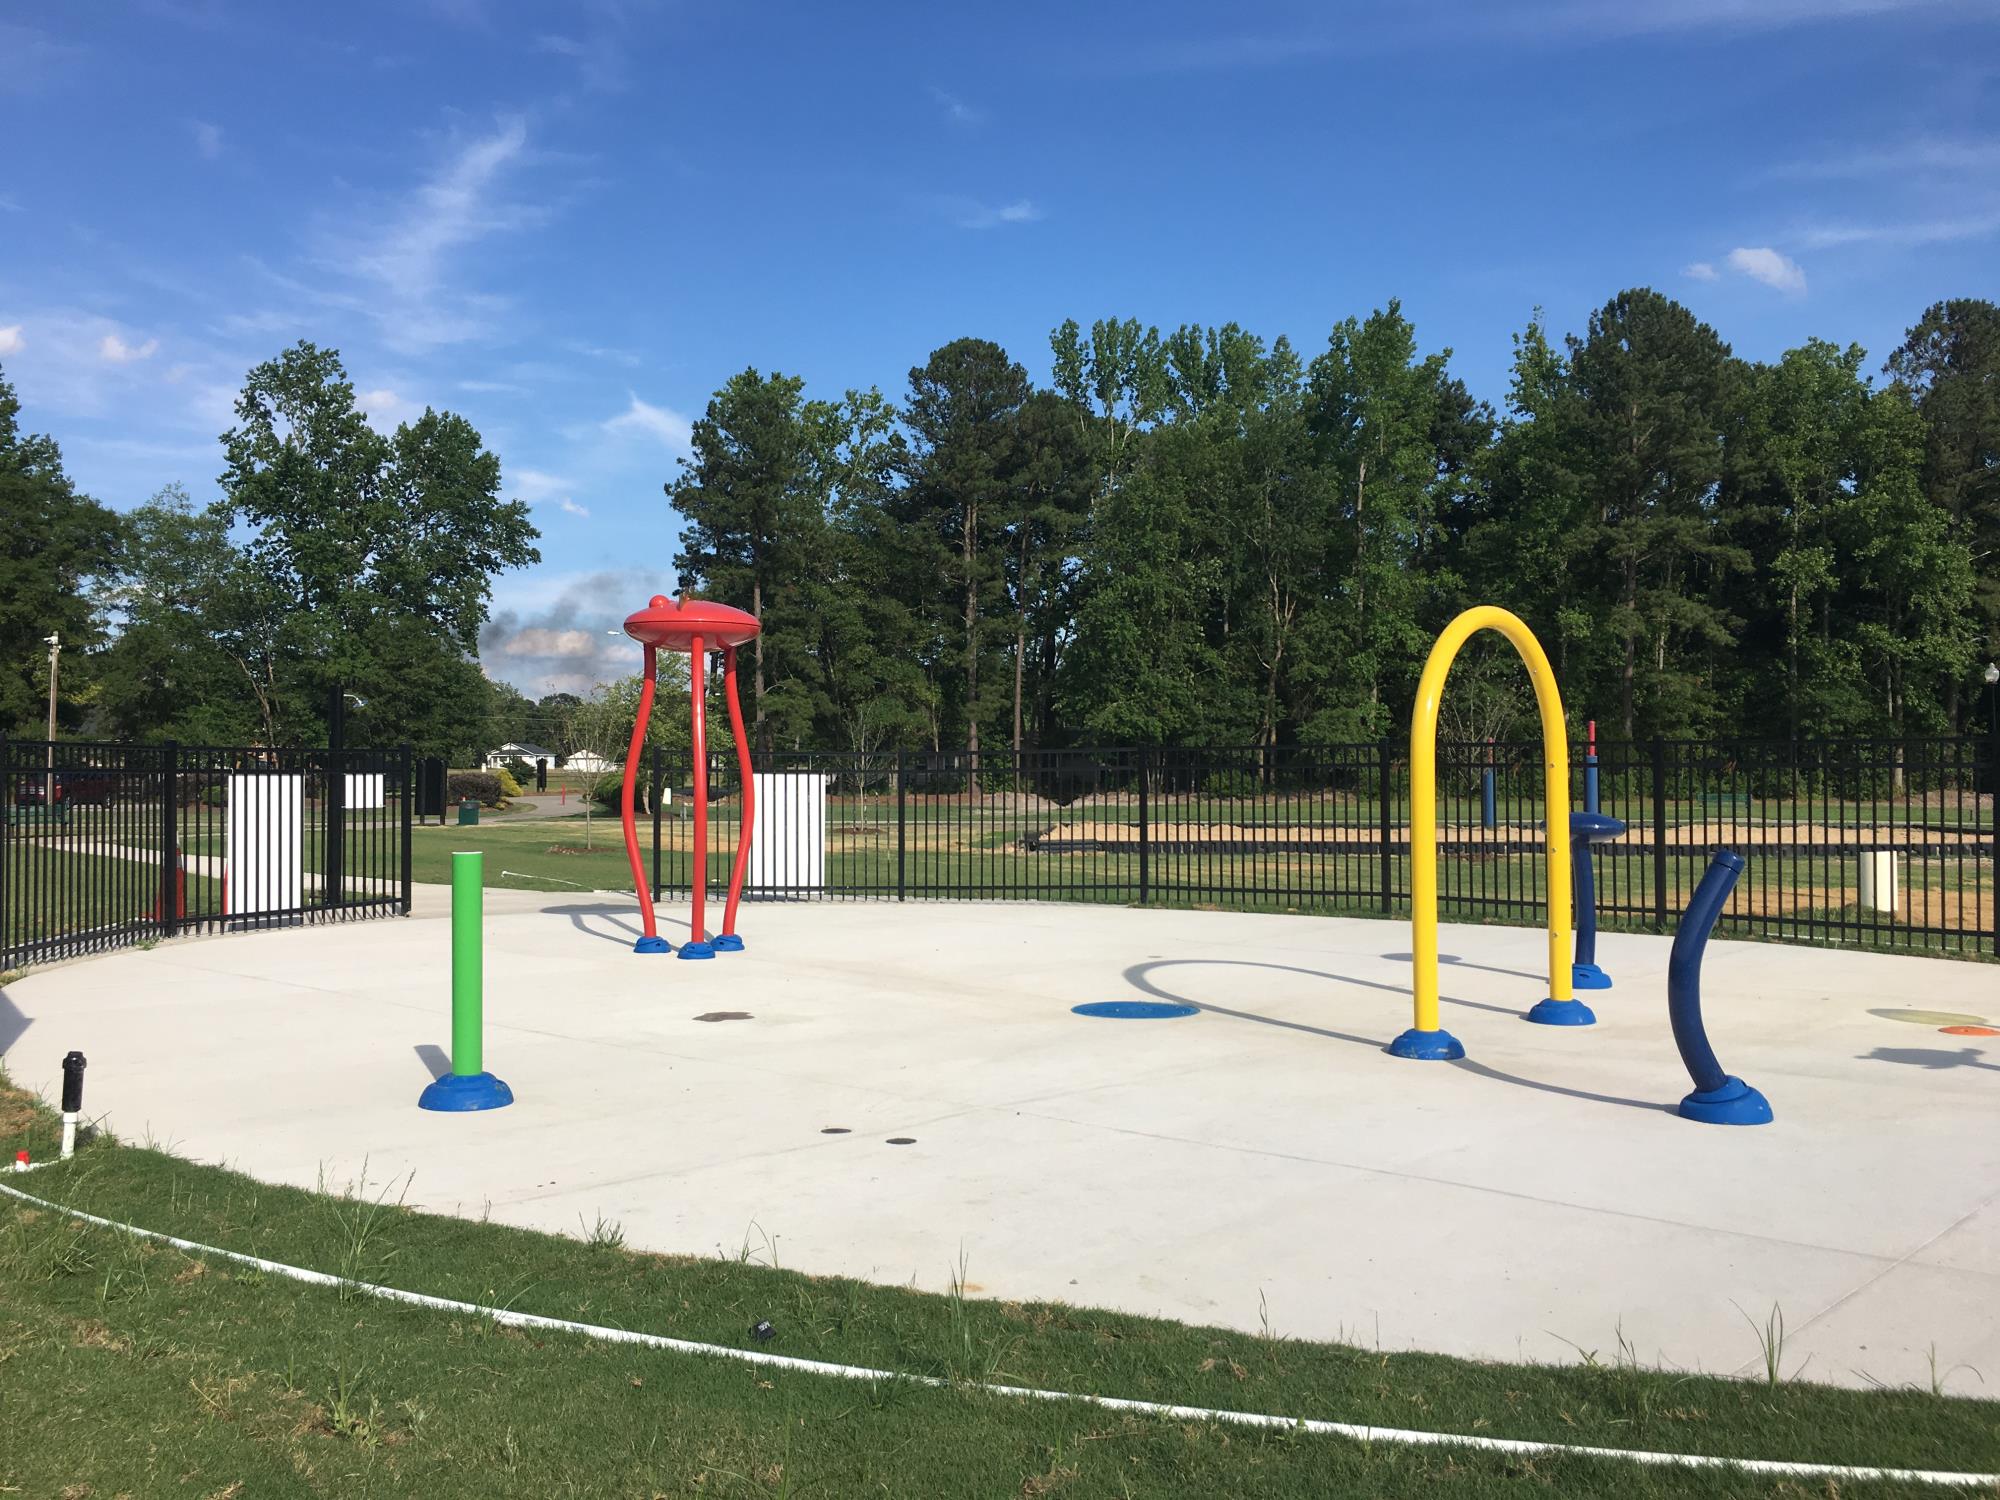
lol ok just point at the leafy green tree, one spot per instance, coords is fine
(347, 525)
(1052, 480)
(58, 543)
(1377, 415)
(169, 672)
(961, 415)
(1654, 388)
(753, 495)
(1950, 362)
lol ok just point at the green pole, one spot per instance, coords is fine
(467, 971)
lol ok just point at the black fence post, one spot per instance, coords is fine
(1993, 802)
(1145, 834)
(333, 855)
(170, 838)
(1660, 833)
(6, 820)
(1384, 751)
(902, 825)
(407, 821)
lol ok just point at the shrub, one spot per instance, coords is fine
(509, 787)
(608, 792)
(519, 769)
(483, 786)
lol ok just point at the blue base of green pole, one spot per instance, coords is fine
(457, 1093)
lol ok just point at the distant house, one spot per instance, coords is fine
(590, 763)
(520, 750)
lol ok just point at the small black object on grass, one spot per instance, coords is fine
(762, 1331)
(902, 1140)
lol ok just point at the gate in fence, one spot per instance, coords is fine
(103, 846)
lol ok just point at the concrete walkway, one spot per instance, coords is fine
(1261, 1159)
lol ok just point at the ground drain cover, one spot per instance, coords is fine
(902, 1140)
(1135, 1010)
(836, 1130)
(724, 1015)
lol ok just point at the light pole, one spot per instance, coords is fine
(54, 643)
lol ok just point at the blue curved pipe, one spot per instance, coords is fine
(1718, 1098)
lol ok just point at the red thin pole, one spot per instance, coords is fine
(697, 664)
(632, 754)
(746, 788)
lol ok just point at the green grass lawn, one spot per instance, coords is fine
(138, 1369)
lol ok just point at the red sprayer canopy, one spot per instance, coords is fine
(673, 626)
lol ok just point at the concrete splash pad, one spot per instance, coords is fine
(1262, 1158)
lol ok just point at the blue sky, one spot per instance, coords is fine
(572, 223)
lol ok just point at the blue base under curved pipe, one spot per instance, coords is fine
(1562, 1013)
(697, 950)
(1588, 977)
(727, 942)
(1735, 1103)
(1427, 1046)
(652, 945)
(458, 1093)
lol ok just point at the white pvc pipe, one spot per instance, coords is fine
(69, 1134)
(1358, 1432)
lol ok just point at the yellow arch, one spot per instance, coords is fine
(1423, 803)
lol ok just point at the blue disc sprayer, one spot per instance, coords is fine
(1718, 1098)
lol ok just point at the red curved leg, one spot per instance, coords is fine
(697, 683)
(633, 754)
(746, 788)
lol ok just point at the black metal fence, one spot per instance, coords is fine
(104, 846)
(1874, 843)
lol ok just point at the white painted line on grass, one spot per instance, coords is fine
(1358, 1432)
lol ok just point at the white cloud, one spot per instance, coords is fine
(535, 641)
(1701, 270)
(404, 250)
(11, 341)
(668, 427)
(114, 350)
(492, 387)
(956, 109)
(9, 205)
(1924, 154)
(969, 213)
(207, 139)
(534, 484)
(1906, 232)
(599, 58)
(570, 507)
(385, 409)
(1761, 263)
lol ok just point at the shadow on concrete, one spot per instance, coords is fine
(1454, 959)
(1467, 1065)
(434, 1058)
(1139, 976)
(12, 1023)
(1932, 1057)
(613, 914)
